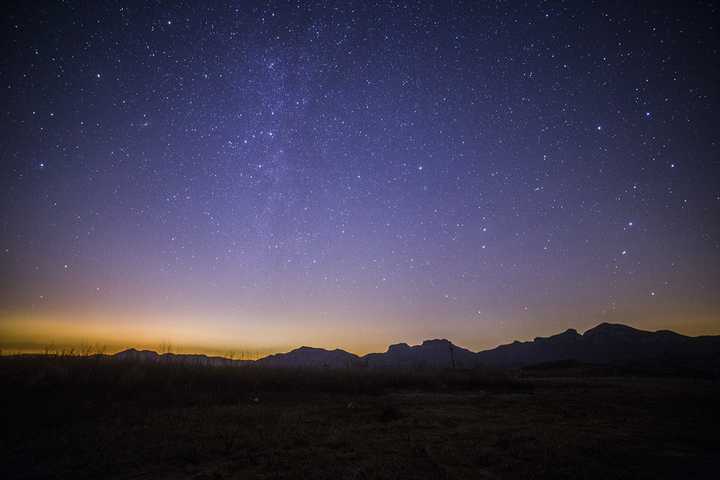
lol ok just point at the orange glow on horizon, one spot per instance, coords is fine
(250, 337)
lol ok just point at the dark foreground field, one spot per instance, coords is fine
(93, 418)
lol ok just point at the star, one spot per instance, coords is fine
(302, 163)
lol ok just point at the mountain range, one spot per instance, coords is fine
(605, 344)
(151, 356)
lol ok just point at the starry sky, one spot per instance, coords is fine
(259, 175)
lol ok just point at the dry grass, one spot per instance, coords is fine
(91, 418)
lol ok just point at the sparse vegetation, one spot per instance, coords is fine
(91, 417)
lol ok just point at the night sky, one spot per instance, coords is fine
(259, 176)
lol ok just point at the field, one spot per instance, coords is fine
(75, 417)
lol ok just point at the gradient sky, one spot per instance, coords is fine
(257, 176)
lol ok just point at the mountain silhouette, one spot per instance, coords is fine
(151, 356)
(605, 344)
(311, 357)
(432, 353)
(612, 344)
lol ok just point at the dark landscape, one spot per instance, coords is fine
(608, 345)
(314, 413)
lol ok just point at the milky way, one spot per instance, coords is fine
(354, 174)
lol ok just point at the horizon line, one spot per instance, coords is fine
(251, 355)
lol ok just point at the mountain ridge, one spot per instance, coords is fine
(606, 343)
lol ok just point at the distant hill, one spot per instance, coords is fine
(612, 344)
(150, 356)
(432, 353)
(311, 357)
(605, 344)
